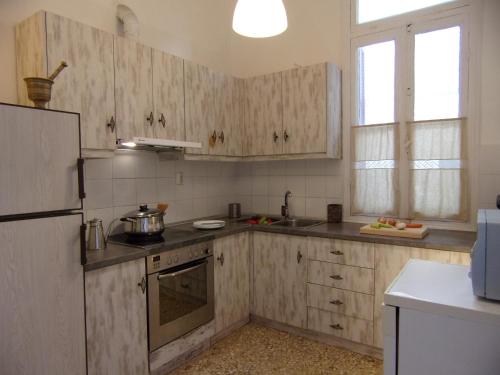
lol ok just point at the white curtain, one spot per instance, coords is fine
(438, 179)
(374, 188)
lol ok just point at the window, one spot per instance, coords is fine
(409, 130)
(371, 10)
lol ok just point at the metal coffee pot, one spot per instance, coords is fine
(96, 240)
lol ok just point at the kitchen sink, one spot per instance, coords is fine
(297, 223)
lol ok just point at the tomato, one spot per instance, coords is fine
(413, 225)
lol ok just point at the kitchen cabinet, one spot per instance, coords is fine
(199, 107)
(311, 110)
(229, 115)
(232, 280)
(168, 96)
(280, 272)
(85, 86)
(263, 115)
(115, 303)
(133, 89)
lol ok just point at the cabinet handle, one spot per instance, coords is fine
(142, 284)
(336, 252)
(285, 136)
(221, 136)
(150, 119)
(81, 178)
(275, 137)
(336, 277)
(299, 256)
(337, 326)
(221, 259)
(162, 120)
(83, 246)
(112, 124)
(213, 137)
(336, 302)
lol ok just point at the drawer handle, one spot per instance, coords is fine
(336, 277)
(336, 252)
(337, 326)
(336, 302)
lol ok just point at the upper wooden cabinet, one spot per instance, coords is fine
(311, 110)
(199, 106)
(85, 86)
(263, 115)
(133, 89)
(168, 96)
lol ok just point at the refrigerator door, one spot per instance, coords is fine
(42, 321)
(39, 167)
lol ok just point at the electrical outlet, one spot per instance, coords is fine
(179, 178)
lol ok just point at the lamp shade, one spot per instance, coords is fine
(259, 18)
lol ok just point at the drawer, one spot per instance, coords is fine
(356, 305)
(358, 330)
(351, 253)
(339, 276)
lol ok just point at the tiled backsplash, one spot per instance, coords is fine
(489, 175)
(118, 185)
(261, 186)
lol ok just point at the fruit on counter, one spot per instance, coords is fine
(414, 225)
(400, 225)
(252, 221)
(380, 225)
(382, 220)
(263, 220)
(392, 222)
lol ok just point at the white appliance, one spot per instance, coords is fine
(434, 324)
(42, 312)
(155, 144)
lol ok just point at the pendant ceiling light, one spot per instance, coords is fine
(259, 18)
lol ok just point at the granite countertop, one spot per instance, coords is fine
(459, 241)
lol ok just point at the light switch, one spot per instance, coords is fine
(179, 178)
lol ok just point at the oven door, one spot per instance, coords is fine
(180, 299)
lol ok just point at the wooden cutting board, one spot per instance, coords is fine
(418, 233)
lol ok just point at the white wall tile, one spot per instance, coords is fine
(316, 208)
(276, 168)
(260, 168)
(260, 185)
(165, 189)
(297, 206)
(334, 187)
(277, 185)
(99, 194)
(146, 164)
(200, 207)
(295, 168)
(315, 167)
(184, 209)
(489, 188)
(275, 204)
(165, 168)
(124, 165)
(199, 187)
(315, 186)
(334, 167)
(98, 169)
(184, 191)
(124, 192)
(260, 204)
(184, 167)
(146, 190)
(297, 185)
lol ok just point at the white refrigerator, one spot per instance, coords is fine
(42, 247)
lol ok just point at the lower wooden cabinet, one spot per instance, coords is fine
(117, 336)
(231, 280)
(280, 274)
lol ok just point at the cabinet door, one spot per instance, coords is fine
(117, 320)
(133, 89)
(168, 96)
(86, 85)
(304, 110)
(200, 106)
(228, 115)
(42, 319)
(232, 281)
(264, 115)
(280, 278)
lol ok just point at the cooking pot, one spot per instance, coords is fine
(145, 222)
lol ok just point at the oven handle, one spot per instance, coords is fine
(174, 274)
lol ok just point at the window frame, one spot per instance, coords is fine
(395, 28)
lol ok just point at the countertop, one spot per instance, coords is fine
(437, 239)
(443, 289)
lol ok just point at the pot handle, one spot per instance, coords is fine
(128, 219)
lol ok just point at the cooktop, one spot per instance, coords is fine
(150, 243)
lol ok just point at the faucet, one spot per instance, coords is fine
(285, 212)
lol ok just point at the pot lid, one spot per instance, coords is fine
(144, 211)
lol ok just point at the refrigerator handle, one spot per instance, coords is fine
(81, 185)
(83, 247)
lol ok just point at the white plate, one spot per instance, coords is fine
(209, 224)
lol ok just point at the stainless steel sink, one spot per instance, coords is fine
(297, 223)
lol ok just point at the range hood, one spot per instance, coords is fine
(155, 144)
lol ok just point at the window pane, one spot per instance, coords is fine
(375, 67)
(437, 74)
(371, 10)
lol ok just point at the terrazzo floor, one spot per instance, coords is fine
(254, 349)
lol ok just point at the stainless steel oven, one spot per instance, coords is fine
(180, 292)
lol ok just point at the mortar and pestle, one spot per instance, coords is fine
(39, 89)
